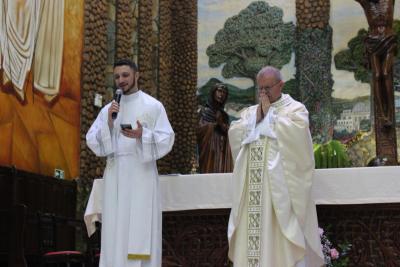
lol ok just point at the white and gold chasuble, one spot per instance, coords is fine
(131, 218)
(273, 220)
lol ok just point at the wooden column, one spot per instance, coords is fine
(178, 80)
(124, 28)
(93, 81)
(147, 42)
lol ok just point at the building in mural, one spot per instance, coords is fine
(397, 110)
(350, 119)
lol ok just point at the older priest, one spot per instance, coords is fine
(131, 229)
(273, 220)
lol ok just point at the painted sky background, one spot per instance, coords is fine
(347, 17)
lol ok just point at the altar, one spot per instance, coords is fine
(358, 205)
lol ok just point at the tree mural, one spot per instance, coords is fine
(256, 37)
(314, 79)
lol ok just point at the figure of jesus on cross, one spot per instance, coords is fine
(380, 46)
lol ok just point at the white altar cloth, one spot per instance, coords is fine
(213, 191)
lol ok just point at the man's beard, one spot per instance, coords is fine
(131, 89)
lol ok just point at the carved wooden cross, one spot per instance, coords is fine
(380, 45)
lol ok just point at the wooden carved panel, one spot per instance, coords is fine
(373, 230)
(195, 238)
(198, 237)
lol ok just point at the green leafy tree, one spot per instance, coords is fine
(290, 88)
(353, 59)
(250, 40)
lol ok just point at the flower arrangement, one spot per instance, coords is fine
(334, 257)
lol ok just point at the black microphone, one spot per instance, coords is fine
(117, 98)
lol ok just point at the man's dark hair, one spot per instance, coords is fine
(126, 62)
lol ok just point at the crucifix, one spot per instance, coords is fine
(380, 47)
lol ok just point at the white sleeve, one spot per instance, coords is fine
(156, 143)
(99, 135)
(252, 132)
(241, 131)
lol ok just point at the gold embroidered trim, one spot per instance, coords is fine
(138, 257)
(255, 183)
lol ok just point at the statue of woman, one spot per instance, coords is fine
(212, 133)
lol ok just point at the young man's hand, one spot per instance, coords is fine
(113, 108)
(134, 133)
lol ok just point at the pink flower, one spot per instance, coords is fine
(321, 231)
(334, 253)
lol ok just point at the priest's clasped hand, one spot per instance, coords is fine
(134, 133)
(263, 105)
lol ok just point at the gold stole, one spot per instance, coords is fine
(255, 174)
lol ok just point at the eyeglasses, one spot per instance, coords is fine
(268, 88)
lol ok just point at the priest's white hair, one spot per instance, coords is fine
(269, 70)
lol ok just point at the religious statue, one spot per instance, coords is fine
(380, 46)
(212, 133)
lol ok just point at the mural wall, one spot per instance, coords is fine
(352, 104)
(267, 33)
(41, 55)
(212, 64)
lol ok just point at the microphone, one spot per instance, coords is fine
(117, 98)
